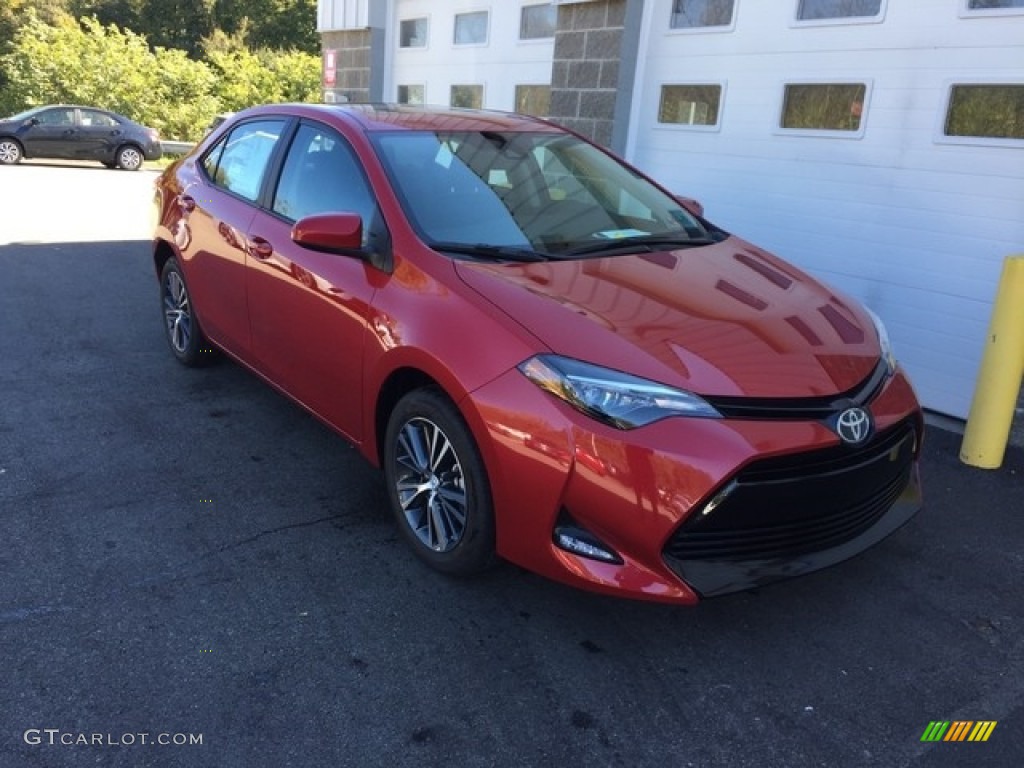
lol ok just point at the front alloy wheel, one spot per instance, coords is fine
(129, 158)
(437, 484)
(10, 151)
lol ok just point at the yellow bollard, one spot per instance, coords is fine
(999, 378)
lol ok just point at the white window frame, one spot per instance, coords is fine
(825, 133)
(966, 12)
(487, 31)
(839, 20)
(716, 128)
(426, 44)
(940, 136)
(716, 30)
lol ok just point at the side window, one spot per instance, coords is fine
(97, 119)
(238, 162)
(57, 117)
(696, 14)
(321, 174)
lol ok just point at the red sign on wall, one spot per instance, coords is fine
(330, 66)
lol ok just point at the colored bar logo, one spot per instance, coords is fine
(959, 730)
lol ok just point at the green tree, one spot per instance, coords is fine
(280, 24)
(87, 63)
(245, 78)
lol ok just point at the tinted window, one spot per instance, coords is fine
(321, 174)
(533, 100)
(467, 96)
(412, 33)
(57, 117)
(97, 119)
(824, 106)
(985, 5)
(701, 13)
(411, 94)
(538, 22)
(239, 160)
(690, 104)
(986, 111)
(837, 9)
(471, 28)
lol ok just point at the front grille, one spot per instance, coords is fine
(789, 506)
(801, 408)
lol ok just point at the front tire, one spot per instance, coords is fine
(181, 327)
(437, 484)
(10, 152)
(129, 158)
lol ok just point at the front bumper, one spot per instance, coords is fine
(797, 501)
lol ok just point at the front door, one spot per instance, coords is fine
(52, 135)
(308, 310)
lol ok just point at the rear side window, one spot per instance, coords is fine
(239, 161)
(97, 119)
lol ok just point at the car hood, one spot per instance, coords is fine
(727, 319)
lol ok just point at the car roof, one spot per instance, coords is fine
(104, 110)
(397, 117)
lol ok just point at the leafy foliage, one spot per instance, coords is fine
(51, 57)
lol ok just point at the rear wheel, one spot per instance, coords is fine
(437, 484)
(181, 327)
(130, 158)
(10, 152)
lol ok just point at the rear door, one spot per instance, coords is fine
(99, 135)
(308, 310)
(219, 204)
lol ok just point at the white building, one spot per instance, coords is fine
(877, 143)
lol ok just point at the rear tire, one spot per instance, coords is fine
(437, 484)
(10, 152)
(181, 327)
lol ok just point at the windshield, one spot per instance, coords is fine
(25, 115)
(545, 193)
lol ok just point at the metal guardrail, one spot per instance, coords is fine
(176, 147)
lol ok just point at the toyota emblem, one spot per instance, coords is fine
(853, 426)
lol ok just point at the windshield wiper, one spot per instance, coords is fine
(640, 242)
(493, 252)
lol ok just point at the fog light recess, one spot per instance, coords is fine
(581, 542)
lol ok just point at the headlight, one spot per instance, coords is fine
(883, 340)
(615, 398)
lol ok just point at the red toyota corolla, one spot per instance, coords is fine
(554, 360)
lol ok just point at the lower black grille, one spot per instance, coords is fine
(790, 506)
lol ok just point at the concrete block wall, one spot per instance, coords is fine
(585, 72)
(354, 58)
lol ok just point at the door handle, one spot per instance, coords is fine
(187, 203)
(260, 249)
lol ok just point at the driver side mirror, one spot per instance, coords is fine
(331, 232)
(691, 205)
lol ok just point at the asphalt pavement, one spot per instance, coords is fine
(189, 558)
